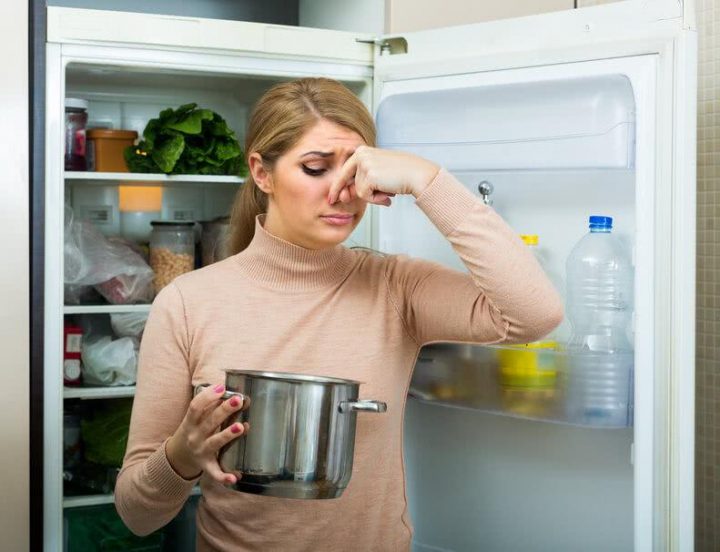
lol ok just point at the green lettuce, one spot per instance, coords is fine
(187, 140)
(105, 434)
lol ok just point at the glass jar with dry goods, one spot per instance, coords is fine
(172, 250)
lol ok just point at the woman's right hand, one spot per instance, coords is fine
(193, 448)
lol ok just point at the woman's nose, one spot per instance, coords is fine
(348, 194)
(345, 195)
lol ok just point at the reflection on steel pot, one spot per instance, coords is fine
(302, 433)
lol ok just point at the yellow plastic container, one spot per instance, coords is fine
(106, 147)
(532, 365)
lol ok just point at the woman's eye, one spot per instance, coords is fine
(312, 172)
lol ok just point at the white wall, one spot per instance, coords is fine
(414, 15)
(14, 277)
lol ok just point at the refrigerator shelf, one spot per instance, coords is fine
(139, 179)
(115, 392)
(540, 382)
(105, 309)
(556, 123)
(88, 500)
(98, 500)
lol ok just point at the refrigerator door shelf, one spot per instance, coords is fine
(560, 123)
(539, 381)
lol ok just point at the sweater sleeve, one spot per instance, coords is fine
(149, 493)
(506, 297)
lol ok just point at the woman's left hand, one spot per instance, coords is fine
(376, 175)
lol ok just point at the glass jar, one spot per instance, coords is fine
(172, 250)
(75, 122)
(213, 243)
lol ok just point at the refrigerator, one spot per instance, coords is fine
(549, 118)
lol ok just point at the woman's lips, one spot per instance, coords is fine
(338, 220)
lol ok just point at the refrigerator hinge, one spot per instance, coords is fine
(388, 46)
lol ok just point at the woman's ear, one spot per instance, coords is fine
(262, 178)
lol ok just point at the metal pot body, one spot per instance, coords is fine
(301, 434)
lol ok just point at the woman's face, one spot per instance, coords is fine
(298, 187)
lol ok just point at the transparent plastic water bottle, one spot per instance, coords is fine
(599, 306)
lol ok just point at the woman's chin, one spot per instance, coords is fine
(335, 235)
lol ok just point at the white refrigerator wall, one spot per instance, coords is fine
(483, 482)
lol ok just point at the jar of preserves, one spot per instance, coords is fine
(75, 122)
(172, 250)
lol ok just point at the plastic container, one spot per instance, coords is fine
(72, 444)
(172, 250)
(599, 306)
(75, 121)
(72, 354)
(105, 152)
(528, 376)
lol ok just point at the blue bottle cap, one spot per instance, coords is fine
(600, 222)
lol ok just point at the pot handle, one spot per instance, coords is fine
(244, 398)
(362, 406)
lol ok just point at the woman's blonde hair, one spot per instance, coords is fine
(278, 121)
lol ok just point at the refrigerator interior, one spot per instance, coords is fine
(126, 97)
(557, 145)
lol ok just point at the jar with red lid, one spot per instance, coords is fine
(75, 122)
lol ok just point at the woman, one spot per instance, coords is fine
(293, 299)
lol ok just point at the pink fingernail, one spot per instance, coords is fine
(234, 402)
(219, 388)
(235, 428)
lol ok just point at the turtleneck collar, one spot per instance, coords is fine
(274, 262)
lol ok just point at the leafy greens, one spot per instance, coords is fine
(187, 140)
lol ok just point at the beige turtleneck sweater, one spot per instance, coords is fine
(332, 312)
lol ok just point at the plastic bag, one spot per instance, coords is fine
(108, 362)
(129, 324)
(116, 271)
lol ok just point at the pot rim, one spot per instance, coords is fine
(291, 377)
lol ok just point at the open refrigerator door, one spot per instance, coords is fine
(552, 119)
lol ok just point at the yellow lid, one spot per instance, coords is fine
(530, 239)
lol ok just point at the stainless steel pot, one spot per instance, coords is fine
(302, 433)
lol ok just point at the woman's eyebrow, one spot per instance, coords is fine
(318, 153)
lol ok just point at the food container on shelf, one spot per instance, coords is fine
(213, 244)
(106, 149)
(528, 376)
(75, 121)
(72, 370)
(172, 250)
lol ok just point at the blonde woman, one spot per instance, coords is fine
(292, 298)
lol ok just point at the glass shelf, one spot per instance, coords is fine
(139, 179)
(115, 392)
(100, 499)
(539, 381)
(105, 309)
